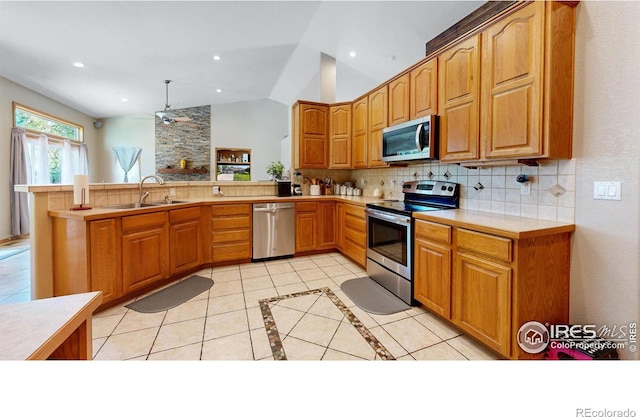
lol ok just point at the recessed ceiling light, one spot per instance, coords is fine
(352, 54)
(218, 90)
(78, 64)
(216, 57)
(124, 99)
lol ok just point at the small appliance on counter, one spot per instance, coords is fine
(284, 188)
(297, 189)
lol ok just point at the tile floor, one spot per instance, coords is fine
(226, 322)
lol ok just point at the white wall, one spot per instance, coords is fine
(135, 130)
(258, 125)
(605, 267)
(10, 92)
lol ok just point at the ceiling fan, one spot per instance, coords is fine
(167, 116)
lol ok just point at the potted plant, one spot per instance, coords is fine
(275, 170)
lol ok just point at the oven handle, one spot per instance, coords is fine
(389, 217)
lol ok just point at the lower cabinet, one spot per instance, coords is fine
(489, 285)
(186, 237)
(432, 267)
(315, 226)
(145, 250)
(105, 258)
(231, 232)
(355, 234)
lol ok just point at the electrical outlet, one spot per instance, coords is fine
(525, 188)
(172, 192)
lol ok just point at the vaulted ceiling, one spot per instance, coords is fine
(267, 49)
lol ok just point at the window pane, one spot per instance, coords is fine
(55, 165)
(44, 125)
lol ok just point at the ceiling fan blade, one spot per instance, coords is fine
(182, 119)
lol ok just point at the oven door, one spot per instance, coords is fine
(389, 241)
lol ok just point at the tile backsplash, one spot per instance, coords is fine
(552, 186)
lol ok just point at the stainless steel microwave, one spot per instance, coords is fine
(412, 140)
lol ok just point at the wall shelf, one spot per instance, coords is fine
(182, 171)
(233, 164)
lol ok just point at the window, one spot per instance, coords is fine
(58, 132)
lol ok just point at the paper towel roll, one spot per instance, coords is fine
(80, 182)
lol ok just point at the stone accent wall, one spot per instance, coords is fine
(190, 141)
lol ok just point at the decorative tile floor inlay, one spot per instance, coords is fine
(277, 348)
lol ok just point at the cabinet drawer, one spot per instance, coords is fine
(223, 236)
(433, 231)
(356, 211)
(497, 247)
(220, 223)
(355, 224)
(306, 206)
(357, 238)
(182, 215)
(230, 209)
(231, 251)
(143, 221)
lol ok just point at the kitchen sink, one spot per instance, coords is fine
(164, 203)
(129, 206)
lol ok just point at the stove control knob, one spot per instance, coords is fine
(450, 188)
(444, 188)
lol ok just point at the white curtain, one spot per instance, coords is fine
(67, 163)
(83, 166)
(20, 173)
(44, 177)
(127, 158)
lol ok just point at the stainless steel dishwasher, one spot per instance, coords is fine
(273, 230)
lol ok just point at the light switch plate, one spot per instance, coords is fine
(606, 190)
(172, 192)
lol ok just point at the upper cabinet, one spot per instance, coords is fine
(378, 120)
(527, 84)
(310, 135)
(399, 100)
(458, 97)
(522, 108)
(503, 92)
(360, 118)
(340, 136)
(423, 91)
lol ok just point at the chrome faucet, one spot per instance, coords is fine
(144, 196)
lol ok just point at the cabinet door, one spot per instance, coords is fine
(378, 108)
(360, 128)
(458, 97)
(432, 277)
(512, 65)
(482, 306)
(145, 257)
(306, 231)
(340, 136)
(313, 136)
(399, 100)
(105, 258)
(423, 97)
(326, 224)
(340, 225)
(186, 246)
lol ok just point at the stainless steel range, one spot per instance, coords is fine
(390, 232)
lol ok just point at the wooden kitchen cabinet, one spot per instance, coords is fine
(186, 239)
(360, 129)
(399, 91)
(145, 250)
(340, 226)
(354, 244)
(458, 100)
(432, 266)
(310, 135)
(306, 226)
(378, 120)
(326, 218)
(105, 258)
(527, 84)
(423, 90)
(340, 136)
(231, 233)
